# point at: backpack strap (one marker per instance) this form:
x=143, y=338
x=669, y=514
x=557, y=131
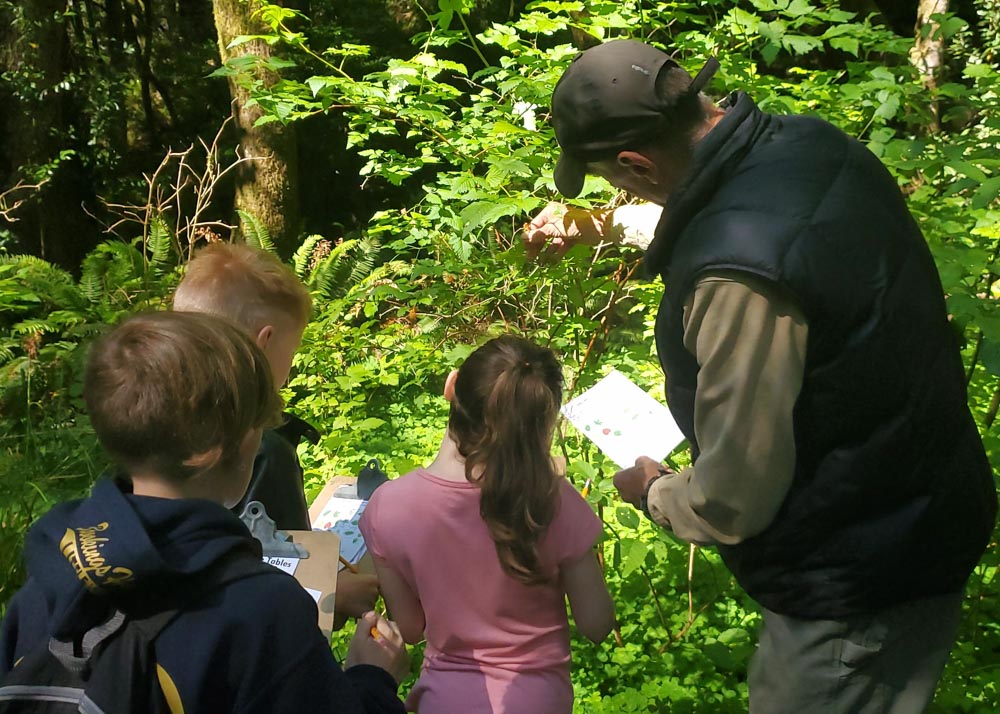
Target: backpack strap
x=232, y=567
x=128, y=660
x=65, y=651
x=112, y=668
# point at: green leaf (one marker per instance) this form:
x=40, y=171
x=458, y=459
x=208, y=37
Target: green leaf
x=989, y=355
x=888, y=108
x=627, y=516
x=244, y=39
x=801, y=44
x=633, y=555
x=987, y=193
x=368, y=424
x=949, y=25
x=978, y=71
x=279, y=63
x=769, y=52
x=968, y=169
x=481, y=213
x=799, y=7
x=845, y=44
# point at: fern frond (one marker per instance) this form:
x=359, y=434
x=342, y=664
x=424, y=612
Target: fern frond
x=364, y=260
x=33, y=326
x=254, y=232
x=91, y=282
x=159, y=244
x=7, y=348
x=384, y=273
x=22, y=259
x=303, y=256
x=340, y=250
x=329, y=277
x=108, y=268
x=40, y=278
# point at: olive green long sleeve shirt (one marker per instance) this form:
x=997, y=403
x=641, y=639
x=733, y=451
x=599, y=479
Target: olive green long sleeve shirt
x=750, y=343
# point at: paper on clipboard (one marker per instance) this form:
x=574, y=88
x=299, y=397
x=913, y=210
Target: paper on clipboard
x=317, y=574
x=311, y=557
x=341, y=516
x=624, y=421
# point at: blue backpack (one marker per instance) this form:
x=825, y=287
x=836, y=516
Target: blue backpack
x=111, y=668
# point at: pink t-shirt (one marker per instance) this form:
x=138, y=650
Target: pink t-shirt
x=493, y=644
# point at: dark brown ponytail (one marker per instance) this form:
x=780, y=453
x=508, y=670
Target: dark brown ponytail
x=507, y=399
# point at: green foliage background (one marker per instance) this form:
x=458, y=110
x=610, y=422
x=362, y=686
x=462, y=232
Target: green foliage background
x=406, y=299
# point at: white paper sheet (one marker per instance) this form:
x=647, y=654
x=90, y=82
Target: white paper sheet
x=341, y=516
x=624, y=421
x=287, y=564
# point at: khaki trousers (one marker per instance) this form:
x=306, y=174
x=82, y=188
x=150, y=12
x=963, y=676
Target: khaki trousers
x=887, y=662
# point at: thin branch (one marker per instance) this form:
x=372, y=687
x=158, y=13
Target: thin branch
x=10, y=200
x=178, y=186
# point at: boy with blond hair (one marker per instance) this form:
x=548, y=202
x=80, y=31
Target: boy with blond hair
x=179, y=401
x=255, y=290
x=262, y=295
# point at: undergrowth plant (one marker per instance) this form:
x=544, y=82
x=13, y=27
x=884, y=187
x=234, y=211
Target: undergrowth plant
x=465, y=119
x=401, y=303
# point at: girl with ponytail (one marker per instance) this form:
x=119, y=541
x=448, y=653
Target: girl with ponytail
x=478, y=551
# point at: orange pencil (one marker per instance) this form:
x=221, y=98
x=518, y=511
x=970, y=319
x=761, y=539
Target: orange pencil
x=348, y=565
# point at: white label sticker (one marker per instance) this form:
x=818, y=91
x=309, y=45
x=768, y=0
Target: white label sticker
x=287, y=564
x=315, y=594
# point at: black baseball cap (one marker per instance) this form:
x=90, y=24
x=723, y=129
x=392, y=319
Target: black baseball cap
x=606, y=101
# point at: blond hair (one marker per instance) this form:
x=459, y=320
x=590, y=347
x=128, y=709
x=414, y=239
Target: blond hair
x=177, y=392
x=246, y=285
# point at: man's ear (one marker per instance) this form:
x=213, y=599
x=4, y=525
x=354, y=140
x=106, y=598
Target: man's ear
x=264, y=336
x=449, y=385
x=639, y=165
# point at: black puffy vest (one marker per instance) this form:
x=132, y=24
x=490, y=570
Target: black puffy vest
x=893, y=497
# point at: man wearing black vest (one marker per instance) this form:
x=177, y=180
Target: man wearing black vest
x=811, y=365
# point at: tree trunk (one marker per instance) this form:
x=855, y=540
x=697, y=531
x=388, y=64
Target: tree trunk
x=266, y=187
x=36, y=121
x=927, y=53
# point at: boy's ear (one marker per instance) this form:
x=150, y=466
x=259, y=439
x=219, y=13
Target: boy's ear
x=264, y=336
x=449, y=385
x=205, y=460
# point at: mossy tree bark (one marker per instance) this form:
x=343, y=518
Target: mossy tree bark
x=928, y=52
x=267, y=186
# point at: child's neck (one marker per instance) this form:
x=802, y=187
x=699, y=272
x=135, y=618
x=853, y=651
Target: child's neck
x=449, y=464
x=151, y=483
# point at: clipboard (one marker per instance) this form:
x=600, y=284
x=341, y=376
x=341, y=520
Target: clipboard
x=318, y=573
x=311, y=557
x=329, y=490
x=340, y=486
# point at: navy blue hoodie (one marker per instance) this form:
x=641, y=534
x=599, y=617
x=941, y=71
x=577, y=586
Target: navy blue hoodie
x=252, y=645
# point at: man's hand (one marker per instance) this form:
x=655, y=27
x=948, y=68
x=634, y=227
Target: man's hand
x=356, y=595
x=377, y=642
x=559, y=227
x=633, y=481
